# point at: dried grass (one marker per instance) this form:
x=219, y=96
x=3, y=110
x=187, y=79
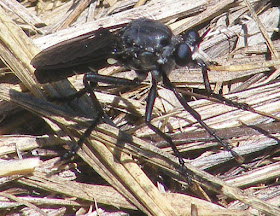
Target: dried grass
x=117, y=171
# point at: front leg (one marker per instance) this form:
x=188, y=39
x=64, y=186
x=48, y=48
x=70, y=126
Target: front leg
x=221, y=98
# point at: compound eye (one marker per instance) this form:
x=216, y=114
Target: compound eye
x=183, y=54
x=191, y=37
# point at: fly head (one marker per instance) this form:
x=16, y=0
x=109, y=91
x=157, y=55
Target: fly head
x=184, y=50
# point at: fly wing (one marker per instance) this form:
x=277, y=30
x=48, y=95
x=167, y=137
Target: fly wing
x=75, y=56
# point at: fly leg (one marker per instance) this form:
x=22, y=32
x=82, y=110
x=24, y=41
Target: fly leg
x=196, y=115
x=224, y=100
x=148, y=114
x=90, y=80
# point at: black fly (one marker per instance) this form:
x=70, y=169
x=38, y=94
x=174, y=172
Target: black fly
x=143, y=45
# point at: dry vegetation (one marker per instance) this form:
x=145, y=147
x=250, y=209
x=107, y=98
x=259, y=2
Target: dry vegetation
x=128, y=170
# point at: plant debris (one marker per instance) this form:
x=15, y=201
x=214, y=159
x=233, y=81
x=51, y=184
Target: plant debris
x=128, y=170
